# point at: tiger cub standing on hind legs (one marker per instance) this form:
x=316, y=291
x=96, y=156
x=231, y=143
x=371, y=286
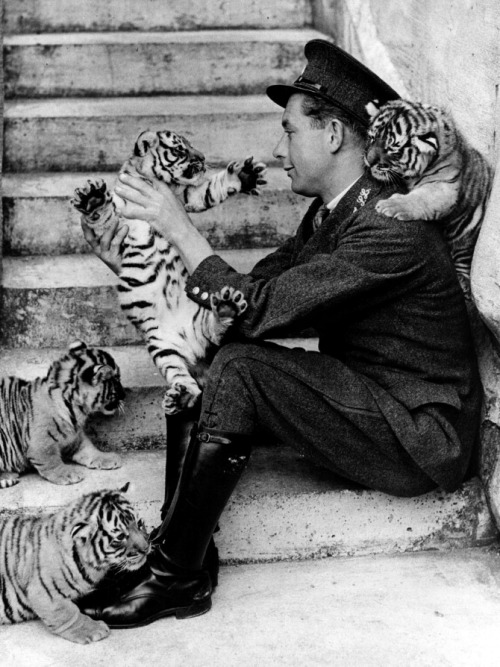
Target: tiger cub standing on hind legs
x=47, y=562
x=419, y=146
x=179, y=333
x=42, y=421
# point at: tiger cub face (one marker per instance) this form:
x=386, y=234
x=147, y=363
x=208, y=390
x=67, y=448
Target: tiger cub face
x=107, y=533
x=405, y=138
x=90, y=379
x=168, y=157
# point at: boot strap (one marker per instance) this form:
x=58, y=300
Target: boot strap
x=203, y=436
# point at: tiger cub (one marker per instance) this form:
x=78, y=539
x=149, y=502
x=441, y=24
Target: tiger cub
x=179, y=333
x=42, y=421
x=47, y=562
x=419, y=147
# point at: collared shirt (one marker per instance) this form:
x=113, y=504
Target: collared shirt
x=331, y=205
x=325, y=209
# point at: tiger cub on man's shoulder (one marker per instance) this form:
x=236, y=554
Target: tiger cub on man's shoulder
x=42, y=420
x=419, y=147
x=49, y=561
x=179, y=333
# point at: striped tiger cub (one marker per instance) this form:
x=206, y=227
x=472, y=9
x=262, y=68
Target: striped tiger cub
x=419, y=147
x=47, y=562
x=179, y=333
x=42, y=421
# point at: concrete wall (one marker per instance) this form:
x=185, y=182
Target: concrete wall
x=1, y=150
x=438, y=51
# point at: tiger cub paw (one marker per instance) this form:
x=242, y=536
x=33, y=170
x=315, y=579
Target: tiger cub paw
x=91, y=198
x=399, y=207
x=228, y=304
x=180, y=397
x=8, y=479
x=251, y=175
x=63, y=474
x=85, y=631
x=104, y=461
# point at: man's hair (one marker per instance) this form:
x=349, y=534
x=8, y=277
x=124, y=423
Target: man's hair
x=321, y=112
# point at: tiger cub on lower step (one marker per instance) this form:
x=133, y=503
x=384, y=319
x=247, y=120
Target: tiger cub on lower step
x=47, y=562
x=180, y=334
x=419, y=147
x=42, y=420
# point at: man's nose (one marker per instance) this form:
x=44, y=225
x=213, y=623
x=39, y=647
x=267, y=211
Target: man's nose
x=280, y=152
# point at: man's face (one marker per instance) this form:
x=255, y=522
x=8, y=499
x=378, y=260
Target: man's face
x=304, y=150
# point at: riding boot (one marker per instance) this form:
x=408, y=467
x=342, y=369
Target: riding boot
x=179, y=427
x=177, y=584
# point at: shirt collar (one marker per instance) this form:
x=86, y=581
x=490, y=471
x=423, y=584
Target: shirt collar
x=332, y=204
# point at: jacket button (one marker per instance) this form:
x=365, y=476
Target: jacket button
x=196, y=290
x=204, y=296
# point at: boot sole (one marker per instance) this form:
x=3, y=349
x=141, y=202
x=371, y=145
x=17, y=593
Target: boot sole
x=197, y=609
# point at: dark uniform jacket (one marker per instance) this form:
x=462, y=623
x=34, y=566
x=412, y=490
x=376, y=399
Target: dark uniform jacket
x=383, y=296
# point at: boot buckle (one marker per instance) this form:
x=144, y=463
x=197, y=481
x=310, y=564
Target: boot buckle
x=203, y=436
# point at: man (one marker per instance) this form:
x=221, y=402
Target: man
x=390, y=401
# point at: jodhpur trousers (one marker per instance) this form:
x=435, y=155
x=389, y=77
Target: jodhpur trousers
x=315, y=404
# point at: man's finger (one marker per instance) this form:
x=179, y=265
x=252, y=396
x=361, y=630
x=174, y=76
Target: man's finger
x=119, y=237
x=88, y=234
x=108, y=236
x=131, y=194
x=129, y=181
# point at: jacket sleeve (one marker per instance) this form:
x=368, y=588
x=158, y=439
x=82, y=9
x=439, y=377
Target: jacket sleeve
x=371, y=259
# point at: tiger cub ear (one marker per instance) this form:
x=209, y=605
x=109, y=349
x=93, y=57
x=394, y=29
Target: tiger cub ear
x=147, y=139
x=126, y=487
x=77, y=347
x=426, y=143
x=372, y=108
x=82, y=531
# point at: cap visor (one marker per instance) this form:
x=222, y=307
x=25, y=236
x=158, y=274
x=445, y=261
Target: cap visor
x=280, y=94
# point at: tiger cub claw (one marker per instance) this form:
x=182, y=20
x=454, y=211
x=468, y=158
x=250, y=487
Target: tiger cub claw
x=227, y=304
x=91, y=197
x=180, y=397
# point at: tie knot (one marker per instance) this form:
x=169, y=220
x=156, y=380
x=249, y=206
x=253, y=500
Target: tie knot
x=321, y=214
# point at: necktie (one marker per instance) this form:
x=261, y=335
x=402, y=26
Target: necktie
x=321, y=214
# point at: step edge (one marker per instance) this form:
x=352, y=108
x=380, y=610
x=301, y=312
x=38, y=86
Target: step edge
x=174, y=37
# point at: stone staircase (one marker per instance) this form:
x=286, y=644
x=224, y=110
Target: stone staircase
x=82, y=80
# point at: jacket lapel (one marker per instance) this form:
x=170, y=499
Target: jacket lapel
x=354, y=199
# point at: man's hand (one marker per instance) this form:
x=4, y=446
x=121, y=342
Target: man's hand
x=156, y=204
x=108, y=247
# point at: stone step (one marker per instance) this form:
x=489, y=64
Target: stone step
x=142, y=425
x=38, y=219
x=284, y=508
x=29, y=16
x=50, y=300
x=431, y=609
x=151, y=63
x=98, y=134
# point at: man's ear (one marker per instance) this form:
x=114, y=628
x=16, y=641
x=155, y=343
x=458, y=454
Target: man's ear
x=336, y=134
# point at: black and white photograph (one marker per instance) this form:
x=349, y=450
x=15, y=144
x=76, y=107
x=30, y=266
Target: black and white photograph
x=250, y=333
